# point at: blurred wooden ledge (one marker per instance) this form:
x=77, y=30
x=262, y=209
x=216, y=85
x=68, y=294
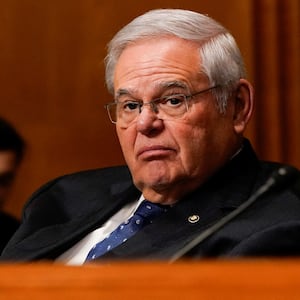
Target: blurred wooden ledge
x=215, y=279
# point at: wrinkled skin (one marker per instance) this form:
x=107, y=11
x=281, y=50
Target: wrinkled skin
x=169, y=158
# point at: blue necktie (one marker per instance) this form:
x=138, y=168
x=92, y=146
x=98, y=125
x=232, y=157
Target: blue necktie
x=144, y=215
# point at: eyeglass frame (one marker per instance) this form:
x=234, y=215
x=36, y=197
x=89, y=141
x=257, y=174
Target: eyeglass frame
x=153, y=104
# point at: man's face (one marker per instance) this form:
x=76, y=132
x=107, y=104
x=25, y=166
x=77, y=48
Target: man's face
x=8, y=166
x=172, y=156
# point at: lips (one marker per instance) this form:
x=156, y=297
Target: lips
x=153, y=152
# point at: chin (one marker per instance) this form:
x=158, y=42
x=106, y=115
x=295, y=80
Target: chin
x=157, y=174
x=156, y=184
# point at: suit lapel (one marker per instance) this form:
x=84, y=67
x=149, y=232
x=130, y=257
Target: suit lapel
x=168, y=233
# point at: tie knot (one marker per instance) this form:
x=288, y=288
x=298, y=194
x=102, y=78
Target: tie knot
x=149, y=210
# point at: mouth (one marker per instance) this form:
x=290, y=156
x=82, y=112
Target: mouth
x=154, y=152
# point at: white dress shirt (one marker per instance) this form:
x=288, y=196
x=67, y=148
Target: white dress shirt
x=77, y=254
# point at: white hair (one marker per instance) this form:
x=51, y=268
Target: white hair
x=221, y=59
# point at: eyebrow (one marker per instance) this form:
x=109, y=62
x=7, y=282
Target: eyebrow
x=161, y=86
x=122, y=92
x=173, y=84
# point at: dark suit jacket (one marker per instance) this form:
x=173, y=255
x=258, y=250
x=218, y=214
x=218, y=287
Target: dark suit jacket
x=8, y=226
x=66, y=209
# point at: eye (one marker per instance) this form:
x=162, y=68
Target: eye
x=129, y=106
x=173, y=100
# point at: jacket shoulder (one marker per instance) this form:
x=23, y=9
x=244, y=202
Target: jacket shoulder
x=77, y=193
x=88, y=179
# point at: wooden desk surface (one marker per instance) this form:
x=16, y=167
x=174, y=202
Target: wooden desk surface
x=238, y=279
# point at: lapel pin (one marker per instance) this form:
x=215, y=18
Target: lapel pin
x=193, y=218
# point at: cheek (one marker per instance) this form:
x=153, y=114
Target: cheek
x=198, y=139
x=192, y=148
x=189, y=140
x=126, y=139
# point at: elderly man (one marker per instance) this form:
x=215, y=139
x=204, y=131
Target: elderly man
x=181, y=107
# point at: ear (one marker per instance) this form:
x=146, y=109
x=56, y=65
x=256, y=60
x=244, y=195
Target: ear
x=243, y=105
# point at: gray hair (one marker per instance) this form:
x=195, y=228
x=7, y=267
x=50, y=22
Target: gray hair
x=221, y=59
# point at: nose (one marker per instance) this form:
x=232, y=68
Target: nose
x=148, y=121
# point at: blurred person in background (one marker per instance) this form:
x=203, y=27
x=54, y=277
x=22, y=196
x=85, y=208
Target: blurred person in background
x=11, y=154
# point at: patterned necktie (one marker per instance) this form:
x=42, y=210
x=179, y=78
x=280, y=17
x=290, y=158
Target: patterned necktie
x=144, y=215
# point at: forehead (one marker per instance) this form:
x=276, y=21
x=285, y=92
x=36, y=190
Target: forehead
x=150, y=62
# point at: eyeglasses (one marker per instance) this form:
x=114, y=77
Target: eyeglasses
x=173, y=106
